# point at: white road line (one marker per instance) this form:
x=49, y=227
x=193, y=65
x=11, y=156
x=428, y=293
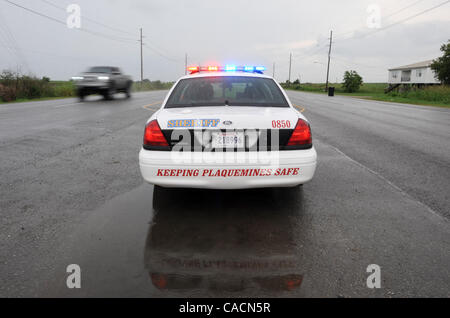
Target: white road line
x=403, y=192
x=66, y=105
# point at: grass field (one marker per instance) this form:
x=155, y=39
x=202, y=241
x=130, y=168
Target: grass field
x=432, y=96
x=40, y=90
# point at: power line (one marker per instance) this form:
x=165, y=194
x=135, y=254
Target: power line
x=388, y=16
x=110, y=37
x=322, y=47
x=46, y=53
x=354, y=63
x=89, y=19
x=313, y=53
x=102, y=24
x=353, y=31
x=397, y=23
x=11, y=43
x=154, y=50
x=403, y=9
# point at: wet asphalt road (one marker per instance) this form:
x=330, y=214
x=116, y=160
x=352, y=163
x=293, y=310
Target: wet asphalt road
x=71, y=193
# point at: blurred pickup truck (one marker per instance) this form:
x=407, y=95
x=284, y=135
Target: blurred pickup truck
x=103, y=80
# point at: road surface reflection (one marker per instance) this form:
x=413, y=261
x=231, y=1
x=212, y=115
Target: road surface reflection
x=204, y=242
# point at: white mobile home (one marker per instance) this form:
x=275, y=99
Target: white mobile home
x=413, y=74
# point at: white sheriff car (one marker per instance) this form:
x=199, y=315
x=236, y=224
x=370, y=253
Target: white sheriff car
x=227, y=128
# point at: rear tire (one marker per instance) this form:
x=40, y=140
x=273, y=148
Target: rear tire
x=109, y=93
x=81, y=96
x=128, y=90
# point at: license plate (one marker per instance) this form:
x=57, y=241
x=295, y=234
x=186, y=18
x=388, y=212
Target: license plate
x=228, y=140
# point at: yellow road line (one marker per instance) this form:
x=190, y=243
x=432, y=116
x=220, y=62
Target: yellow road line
x=149, y=105
x=300, y=108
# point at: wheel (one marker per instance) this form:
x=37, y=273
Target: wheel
x=81, y=96
x=128, y=90
x=109, y=93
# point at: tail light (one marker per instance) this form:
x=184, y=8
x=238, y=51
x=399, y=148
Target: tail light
x=301, y=135
x=159, y=280
x=294, y=282
x=153, y=136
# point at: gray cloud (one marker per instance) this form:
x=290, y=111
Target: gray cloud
x=232, y=31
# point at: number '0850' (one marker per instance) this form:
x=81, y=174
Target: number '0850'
x=281, y=124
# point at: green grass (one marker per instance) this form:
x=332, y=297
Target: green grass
x=53, y=90
x=151, y=86
x=25, y=100
x=66, y=89
x=431, y=96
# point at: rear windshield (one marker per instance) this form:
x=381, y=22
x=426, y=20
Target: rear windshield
x=227, y=90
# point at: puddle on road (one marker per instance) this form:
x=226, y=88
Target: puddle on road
x=185, y=242
x=205, y=242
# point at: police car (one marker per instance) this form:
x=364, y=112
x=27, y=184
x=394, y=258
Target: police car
x=227, y=127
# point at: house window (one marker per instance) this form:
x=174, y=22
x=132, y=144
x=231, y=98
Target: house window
x=394, y=75
x=418, y=73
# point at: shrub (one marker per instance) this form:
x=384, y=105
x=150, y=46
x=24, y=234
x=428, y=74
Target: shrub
x=7, y=93
x=352, y=81
x=14, y=86
x=439, y=93
x=442, y=65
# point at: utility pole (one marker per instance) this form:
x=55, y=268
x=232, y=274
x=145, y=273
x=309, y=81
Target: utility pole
x=185, y=64
x=290, y=66
x=142, y=59
x=329, y=58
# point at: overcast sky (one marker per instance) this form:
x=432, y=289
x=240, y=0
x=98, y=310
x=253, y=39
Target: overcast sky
x=260, y=32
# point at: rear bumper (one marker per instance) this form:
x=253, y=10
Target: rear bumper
x=291, y=168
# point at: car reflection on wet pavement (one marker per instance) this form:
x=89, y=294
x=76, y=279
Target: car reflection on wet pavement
x=315, y=241
x=154, y=242
x=209, y=243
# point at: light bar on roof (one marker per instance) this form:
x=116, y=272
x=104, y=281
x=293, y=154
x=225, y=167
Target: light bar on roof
x=227, y=68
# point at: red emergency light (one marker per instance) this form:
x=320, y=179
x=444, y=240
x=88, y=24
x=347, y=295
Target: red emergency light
x=193, y=69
